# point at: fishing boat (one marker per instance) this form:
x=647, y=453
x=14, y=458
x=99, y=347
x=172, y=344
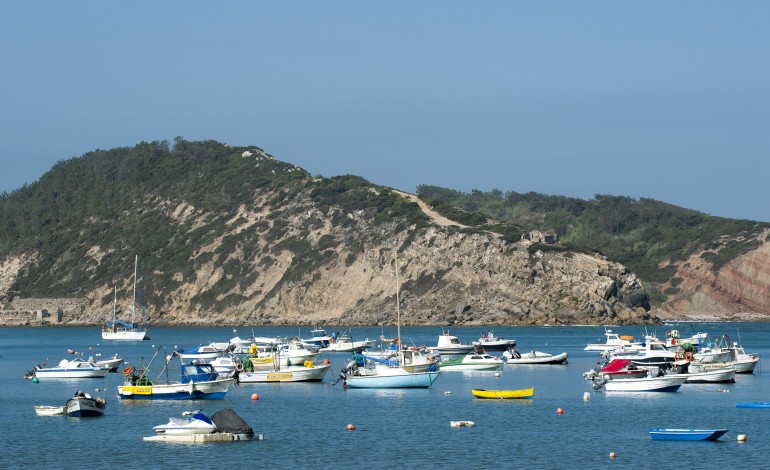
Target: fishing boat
x=668, y=434
x=614, y=341
x=513, y=356
x=644, y=384
x=319, y=338
x=765, y=404
x=344, y=343
x=377, y=372
x=449, y=345
x=265, y=370
x=75, y=368
x=476, y=360
x=204, y=352
x=198, y=382
x=653, y=353
x=193, y=423
x=490, y=342
x=503, y=394
x=696, y=373
x=126, y=331
x=112, y=364
x=83, y=405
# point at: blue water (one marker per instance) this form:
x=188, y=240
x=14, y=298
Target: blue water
x=304, y=424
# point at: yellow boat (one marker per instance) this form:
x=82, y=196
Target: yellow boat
x=500, y=394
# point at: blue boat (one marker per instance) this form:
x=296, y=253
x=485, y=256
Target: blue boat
x=199, y=382
x=765, y=404
x=668, y=434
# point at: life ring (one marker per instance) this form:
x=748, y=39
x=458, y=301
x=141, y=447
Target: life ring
x=128, y=371
x=239, y=367
x=688, y=356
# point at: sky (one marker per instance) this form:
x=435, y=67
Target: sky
x=656, y=99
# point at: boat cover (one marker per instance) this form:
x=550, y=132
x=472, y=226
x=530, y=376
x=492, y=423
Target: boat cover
x=226, y=420
x=616, y=365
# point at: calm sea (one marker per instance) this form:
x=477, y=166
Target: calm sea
x=304, y=424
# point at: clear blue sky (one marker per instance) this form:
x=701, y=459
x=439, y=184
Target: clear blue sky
x=660, y=99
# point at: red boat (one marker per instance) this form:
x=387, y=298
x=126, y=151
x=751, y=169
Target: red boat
x=618, y=369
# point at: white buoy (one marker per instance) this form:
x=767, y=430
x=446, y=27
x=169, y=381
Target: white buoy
x=586, y=396
x=741, y=438
x=497, y=374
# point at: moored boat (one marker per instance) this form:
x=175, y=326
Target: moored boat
x=83, y=405
x=194, y=423
x=46, y=410
x=112, y=364
x=503, y=394
x=449, y=345
x=759, y=404
x=614, y=341
x=513, y=356
x=490, y=342
x=75, y=368
x=669, y=434
x=198, y=382
x=118, y=330
x=268, y=373
x=476, y=360
x=644, y=384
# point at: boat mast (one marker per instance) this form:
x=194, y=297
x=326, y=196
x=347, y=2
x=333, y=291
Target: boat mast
x=133, y=305
x=398, y=306
x=114, y=304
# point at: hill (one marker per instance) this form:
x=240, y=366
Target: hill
x=230, y=235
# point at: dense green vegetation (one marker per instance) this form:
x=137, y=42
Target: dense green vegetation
x=641, y=234
x=165, y=202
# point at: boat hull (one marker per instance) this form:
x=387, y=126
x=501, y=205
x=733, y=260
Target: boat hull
x=503, y=394
x=538, y=358
x=288, y=374
x=687, y=434
x=124, y=335
x=212, y=390
x=646, y=384
x=409, y=380
x=84, y=408
x=43, y=410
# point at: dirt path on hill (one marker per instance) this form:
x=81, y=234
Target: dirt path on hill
x=435, y=217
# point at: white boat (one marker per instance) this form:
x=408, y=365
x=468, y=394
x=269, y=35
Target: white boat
x=193, y=423
x=267, y=374
x=476, y=360
x=379, y=373
x=45, y=410
x=644, y=384
x=490, y=342
x=225, y=365
x=674, y=338
x=412, y=359
x=204, y=353
x=75, y=368
x=695, y=374
x=198, y=382
x=344, y=343
x=293, y=353
x=533, y=357
x=614, y=341
x=743, y=362
x=82, y=405
x=319, y=338
x=118, y=330
x=653, y=353
x=449, y=345
x=112, y=364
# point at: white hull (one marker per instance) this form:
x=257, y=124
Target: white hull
x=712, y=376
x=43, y=410
x=288, y=374
x=75, y=369
x=184, y=427
x=536, y=357
x=382, y=376
x=469, y=367
x=645, y=384
x=347, y=346
x=127, y=335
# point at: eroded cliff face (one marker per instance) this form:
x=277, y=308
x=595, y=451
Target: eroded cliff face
x=738, y=291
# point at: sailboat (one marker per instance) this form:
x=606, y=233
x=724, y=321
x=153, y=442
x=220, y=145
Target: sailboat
x=123, y=331
x=374, y=372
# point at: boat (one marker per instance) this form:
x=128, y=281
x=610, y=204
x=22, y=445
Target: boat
x=617, y=368
x=695, y=373
x=379, y=373
x=226, y=365
x=513, y=356
x=476, y=360
x=83, y=405
x=653, y=353
x=193, y=423
x=46, y=410
x=198, y=382
x=765, y=404
x=75, y=368
x=674, y=338
x=112, y=364
x=614, y=341
x=449, y=345
x=413, y=359
x=292, y=353
x=344, y=343
x=203, y=352
x=265, y=370
x=319, y=338
x=668, y=434
x=644, y=384
x=503, y=394
x=490, y=342
x=118, y=330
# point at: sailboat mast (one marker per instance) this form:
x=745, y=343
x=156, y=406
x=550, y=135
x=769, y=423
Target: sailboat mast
x=136, y=272
x=114, y=304
x=398, y=306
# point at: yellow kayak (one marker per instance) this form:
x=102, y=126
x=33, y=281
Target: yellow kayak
x=500, y=394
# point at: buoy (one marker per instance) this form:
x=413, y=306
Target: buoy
x=587, y=396
x=326, y=362
x=90, y=348
x=447, y=392
x=497, y=374
x=612, y=455
x=559, y=411
x=741, y=438
x=351, y=427
x=35, y=380
x=254, y=396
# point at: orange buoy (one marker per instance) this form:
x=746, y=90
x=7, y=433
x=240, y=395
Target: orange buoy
x=326, y=362
x=254, y=396
x=351, y=427
x=559, y=411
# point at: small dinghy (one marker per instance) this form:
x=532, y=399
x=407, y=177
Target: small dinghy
x=765, y=404
x=45, y=410
x=194, y=423
x=513, y=356
x=503, y=394
x=687, y=434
